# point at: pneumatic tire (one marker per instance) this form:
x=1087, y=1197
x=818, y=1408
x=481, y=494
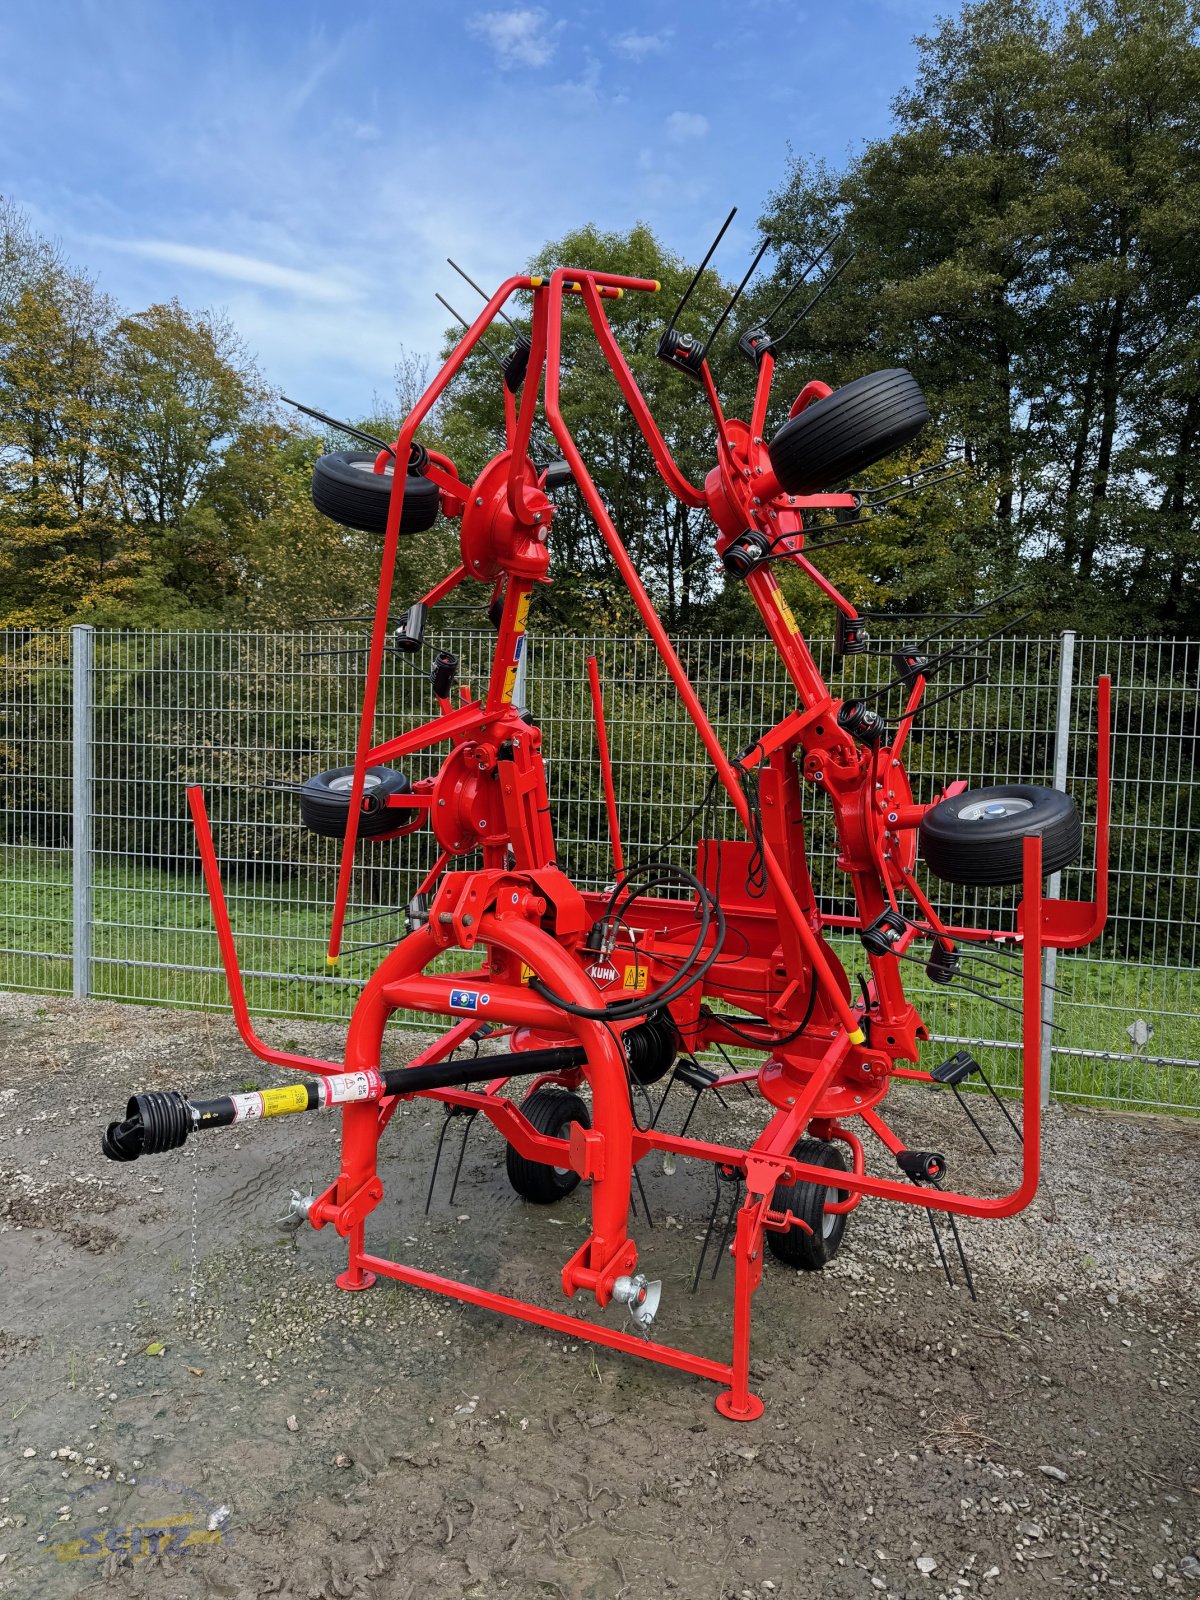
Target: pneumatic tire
x=797, y=1247
x=551, y=1111
x=325, y=802
x=977, y=837
x=346, y=489
x=849, y=429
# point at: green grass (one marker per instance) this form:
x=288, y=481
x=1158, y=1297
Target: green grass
x=151, y=927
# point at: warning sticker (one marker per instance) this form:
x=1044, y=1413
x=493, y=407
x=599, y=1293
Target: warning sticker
x=785, y=611
x=636, y=980
x=527, y=972
x=510, y=677
x=270, y=1102
x=346, y=1087
x=278, y=1102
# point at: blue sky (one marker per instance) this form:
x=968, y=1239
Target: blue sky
x=308, y=169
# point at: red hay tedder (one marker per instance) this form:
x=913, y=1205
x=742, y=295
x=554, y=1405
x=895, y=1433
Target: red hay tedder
x=605, y=990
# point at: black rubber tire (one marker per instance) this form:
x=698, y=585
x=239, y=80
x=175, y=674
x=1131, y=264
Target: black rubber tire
x=552, y=1111
x=797, y=1247
x=961, y=843
x=325, y=802
x=345, y=489
x=848, y=430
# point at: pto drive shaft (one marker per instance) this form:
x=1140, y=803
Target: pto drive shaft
x=162, y=1119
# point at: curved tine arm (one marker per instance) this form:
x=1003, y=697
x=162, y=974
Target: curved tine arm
x=785, y=894
x=383, y=599
x=663, y=459
x=523, y=429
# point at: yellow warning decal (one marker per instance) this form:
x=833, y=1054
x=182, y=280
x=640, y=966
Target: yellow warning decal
x=522, y=611
x=278, y=1102
x=527, y=972
x=636, y=979
x=510, y=684
x=785, y=611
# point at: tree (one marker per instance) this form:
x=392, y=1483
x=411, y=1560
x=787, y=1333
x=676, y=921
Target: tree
x=1022, y=245
x=186, y=398
x=61, y=547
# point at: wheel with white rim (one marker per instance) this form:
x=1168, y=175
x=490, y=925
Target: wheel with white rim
x=978, y=837
x=798, y=1246
x=551, y=1111
x=325, y=802
x=346, y=488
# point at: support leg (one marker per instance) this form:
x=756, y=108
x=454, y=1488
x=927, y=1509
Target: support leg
x=355, y=1275
x=736, y=1402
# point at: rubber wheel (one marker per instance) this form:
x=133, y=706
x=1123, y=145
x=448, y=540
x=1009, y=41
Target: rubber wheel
x=798, y=1248
x=978, y=837
x=852, y=427
x=325, y=802
x=551, y=1111
x=347, y=489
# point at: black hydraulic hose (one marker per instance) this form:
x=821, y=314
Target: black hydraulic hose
x=693, y=971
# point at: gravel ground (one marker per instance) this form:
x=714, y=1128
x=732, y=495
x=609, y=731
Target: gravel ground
x=180, y=1379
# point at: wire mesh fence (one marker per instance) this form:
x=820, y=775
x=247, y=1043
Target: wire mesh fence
x=100, y=891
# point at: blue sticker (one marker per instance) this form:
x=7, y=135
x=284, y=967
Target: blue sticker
x=464, y=999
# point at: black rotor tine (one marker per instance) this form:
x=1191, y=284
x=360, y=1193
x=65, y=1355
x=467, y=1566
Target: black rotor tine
x=482, y=293
x=972, y=1118
x=1010, y=968
x=458, y=317
x=437, y=1159
x=373, y=916
x=937, y=1239
x=990, y=1087
x=691, y=1110
x=730, y=1222
x=662, y=1102
x=732, y=1065
x=823, y=251
x=712, y=1217
x=341, y=427
x=637, y=1173
x=462, y=1150
x=947, y=656
x=962, y=1254
x=967, y=616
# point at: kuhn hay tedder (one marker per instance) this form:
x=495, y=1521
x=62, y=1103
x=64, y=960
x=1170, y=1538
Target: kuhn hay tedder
x=594, y=992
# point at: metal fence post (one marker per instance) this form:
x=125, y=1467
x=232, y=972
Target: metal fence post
x=1062, y=746
x=81, y=811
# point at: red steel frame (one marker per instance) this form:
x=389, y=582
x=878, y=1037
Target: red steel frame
x=525, y=914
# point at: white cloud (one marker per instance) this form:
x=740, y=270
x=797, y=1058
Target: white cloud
x=521, y=38
x=684, y=125
x=238, y=268
x=640, y=45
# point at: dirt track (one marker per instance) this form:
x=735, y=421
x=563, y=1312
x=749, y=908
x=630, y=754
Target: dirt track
x=1043, y=1440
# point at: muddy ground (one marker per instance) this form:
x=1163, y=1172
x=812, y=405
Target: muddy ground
x=189, y=1407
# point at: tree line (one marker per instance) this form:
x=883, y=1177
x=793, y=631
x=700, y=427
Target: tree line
x=1022, y=240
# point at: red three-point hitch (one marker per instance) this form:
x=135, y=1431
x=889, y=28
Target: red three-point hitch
x=588, y=993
